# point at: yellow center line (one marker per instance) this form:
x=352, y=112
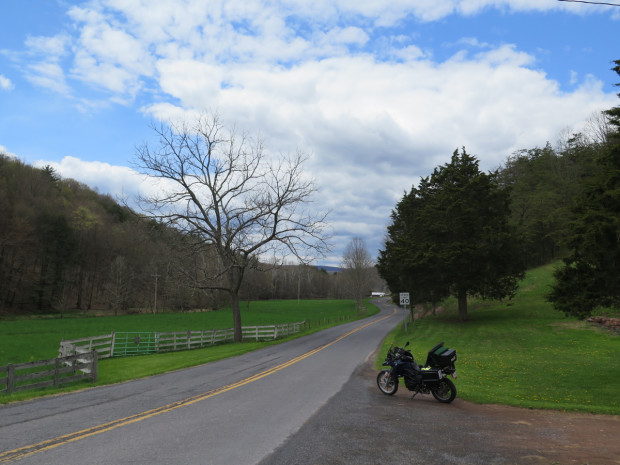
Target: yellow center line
x=22, y=452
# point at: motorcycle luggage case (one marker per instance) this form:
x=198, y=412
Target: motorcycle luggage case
x=442, y=357
x=430, y=375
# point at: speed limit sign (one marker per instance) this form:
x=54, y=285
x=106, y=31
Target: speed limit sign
x=404, y=298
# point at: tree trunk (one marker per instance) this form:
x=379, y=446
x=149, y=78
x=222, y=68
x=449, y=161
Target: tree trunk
x=462, y=297
x=234, y=300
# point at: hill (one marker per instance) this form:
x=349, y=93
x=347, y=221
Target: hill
x=329, y=269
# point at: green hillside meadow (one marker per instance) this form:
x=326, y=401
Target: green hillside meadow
x=523, y=352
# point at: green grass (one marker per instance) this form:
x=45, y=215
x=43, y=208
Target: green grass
x=524, y=353
x=30, y=339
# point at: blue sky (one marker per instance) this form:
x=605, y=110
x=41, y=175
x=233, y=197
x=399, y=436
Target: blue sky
x=377, y=92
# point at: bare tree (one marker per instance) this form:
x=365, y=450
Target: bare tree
x=357, y=269
x=119, y=287
x=598, y=128
x=235, y=208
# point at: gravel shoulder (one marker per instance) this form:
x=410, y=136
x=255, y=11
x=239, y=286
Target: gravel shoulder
x=360, y=425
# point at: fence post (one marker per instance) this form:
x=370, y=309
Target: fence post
x=95, y=365
x=112, y=341
x=56, y=372
x=189, y=335
x=10, y=378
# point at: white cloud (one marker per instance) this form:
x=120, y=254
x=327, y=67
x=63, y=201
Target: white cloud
x=120, y=182
x=49, y=75
x=51, y=47
x=5, y=151
x=373, y=127
x=300, y=73
x=5, y=83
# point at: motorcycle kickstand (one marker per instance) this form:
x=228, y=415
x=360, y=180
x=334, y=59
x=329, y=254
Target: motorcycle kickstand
x=414, y=394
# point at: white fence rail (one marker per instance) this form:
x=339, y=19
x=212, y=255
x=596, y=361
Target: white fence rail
x=141, y=343
x=103, y=345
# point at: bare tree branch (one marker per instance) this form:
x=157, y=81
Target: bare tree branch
x=232, y=204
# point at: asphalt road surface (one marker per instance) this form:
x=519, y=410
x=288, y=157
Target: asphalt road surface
x=233, y=412
x=312, y=401
x=362, y=426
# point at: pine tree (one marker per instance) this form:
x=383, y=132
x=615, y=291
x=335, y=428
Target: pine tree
x=451, y=235
x=590, y=276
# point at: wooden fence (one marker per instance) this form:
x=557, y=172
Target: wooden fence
x=103, y=345
x=120, y=344
x=44, y=373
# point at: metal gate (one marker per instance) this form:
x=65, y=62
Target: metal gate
x=140, y=343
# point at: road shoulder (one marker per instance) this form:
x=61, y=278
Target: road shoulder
x=362, y=426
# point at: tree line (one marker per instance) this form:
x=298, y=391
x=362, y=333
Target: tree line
x=64, y=247
x=462, y=232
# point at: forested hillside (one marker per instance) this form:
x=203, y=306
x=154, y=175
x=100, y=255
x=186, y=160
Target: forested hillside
x=62, y=245
x=65, y=247
x=545, y=184
x=462, y=232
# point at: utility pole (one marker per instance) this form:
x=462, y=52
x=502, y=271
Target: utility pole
x=298, y=283
x=156, y=275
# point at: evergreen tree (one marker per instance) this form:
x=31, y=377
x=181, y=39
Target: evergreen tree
x=451, y=235
x=590, y=276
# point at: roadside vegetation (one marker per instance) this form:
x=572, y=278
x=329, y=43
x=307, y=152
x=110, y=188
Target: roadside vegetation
x=523, y=352
x=30, y=339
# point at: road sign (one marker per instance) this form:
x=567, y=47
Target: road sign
x=404, y=298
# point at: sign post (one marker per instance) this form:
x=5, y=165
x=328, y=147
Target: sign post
x=404, y=301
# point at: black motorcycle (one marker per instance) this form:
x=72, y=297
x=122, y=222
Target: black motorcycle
x=432, y=378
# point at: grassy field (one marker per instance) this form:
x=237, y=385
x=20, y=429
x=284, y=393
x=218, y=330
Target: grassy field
x=524, y=353
x=29, y=339
x=520, y=353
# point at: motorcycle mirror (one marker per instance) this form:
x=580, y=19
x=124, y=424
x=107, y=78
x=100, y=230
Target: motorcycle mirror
x=407, y=343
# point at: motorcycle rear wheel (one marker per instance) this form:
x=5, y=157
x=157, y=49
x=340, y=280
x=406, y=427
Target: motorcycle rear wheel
x=444, y=391
x=386, y=384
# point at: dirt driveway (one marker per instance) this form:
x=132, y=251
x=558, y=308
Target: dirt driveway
x=361, y=426
x=550, y=437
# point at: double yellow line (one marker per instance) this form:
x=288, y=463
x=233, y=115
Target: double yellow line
x=17, y=454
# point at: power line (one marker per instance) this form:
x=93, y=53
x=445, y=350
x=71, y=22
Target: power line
x=591, y=3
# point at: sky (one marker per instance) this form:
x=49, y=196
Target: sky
x=377, y=93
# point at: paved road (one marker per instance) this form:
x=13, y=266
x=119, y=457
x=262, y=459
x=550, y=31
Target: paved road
x=233, y=412
x=362, y=426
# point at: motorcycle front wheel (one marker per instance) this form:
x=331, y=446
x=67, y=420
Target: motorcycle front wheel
x=386, y=384
x=444, y=391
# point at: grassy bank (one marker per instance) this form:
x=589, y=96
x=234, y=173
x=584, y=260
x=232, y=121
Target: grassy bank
x=29, y=339
x=524, y=353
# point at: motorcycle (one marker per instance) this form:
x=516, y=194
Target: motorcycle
x=432, y=378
